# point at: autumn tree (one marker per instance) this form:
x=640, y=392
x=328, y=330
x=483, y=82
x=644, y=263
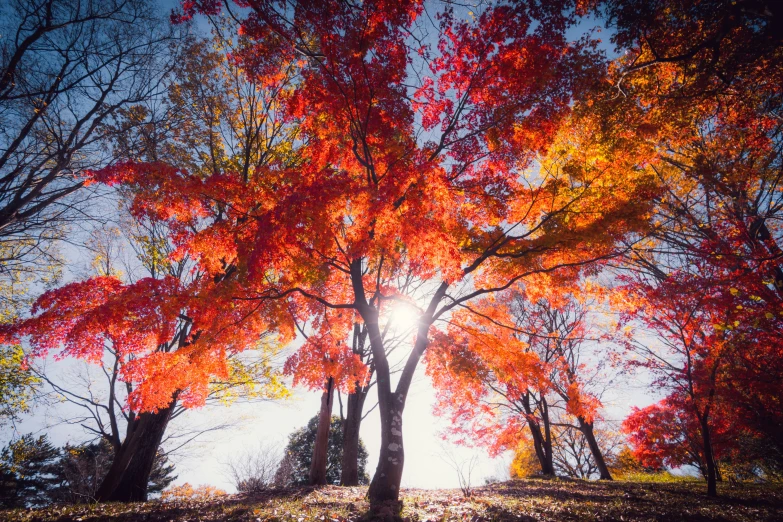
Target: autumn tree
x=565, y=328
x=151, y=322
x=695, y=333
x=573, y=456
x=508, y=366
x=697, y=96
x=146, y=317
x=413, y=154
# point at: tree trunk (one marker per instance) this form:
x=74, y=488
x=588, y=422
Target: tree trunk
x=541, y=443
x=709, y=459
x=129, y=474
x=321, y=446
x=385, y=485
x=351, y=425
x=587, y=430
x=543, y=450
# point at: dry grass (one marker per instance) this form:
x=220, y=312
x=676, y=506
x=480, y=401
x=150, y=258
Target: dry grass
x=520, y=500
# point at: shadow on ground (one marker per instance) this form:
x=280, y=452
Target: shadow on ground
x=519, y=501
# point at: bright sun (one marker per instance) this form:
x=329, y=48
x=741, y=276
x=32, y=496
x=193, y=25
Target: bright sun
x=404, y=316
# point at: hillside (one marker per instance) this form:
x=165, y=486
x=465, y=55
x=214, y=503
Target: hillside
x=520, y=500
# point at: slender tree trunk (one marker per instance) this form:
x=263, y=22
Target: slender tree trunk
x=385, y=485
x=128, y=477
x=321, y=446
x=543, y=449
x=547, y=441
x=351, y=425
x=541, y=443
x=709, y=459
x=587, y=430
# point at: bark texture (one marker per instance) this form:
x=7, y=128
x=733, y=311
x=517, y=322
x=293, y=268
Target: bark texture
x=129, y=474
x=598, y=457
x=352, y=424
x=321, y=446
x=709, y=459
x=542, y=438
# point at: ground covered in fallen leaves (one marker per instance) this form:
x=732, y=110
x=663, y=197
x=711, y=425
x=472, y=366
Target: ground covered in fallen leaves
x=518, y=500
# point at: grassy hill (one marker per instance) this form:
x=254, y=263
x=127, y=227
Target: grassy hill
x=519, y=500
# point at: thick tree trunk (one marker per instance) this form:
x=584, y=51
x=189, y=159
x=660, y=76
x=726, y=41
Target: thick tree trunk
x=134, y=482
x=129, y=474
x=709, y=459
x=351, y=425
x=321, y=446
x=587, y=430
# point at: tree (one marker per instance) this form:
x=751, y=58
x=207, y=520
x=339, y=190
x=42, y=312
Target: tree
x=566, y=329
x=66, y=69
x=509, y=364
x=401, y=173
x=300, y=451
x=525, y=463
x=81, y=470
x=28, y=471
x=143, y=322
x=574, y=457
x=698, y=96
x=690, y=318
x=663, y=435
x=257, y=470
x=72, y=319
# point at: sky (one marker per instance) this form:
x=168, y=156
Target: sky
x=265, y=425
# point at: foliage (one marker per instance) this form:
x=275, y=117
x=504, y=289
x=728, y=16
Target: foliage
x=426, y=172
x=81, y=470
x=17, y=383
x=186, y=492
x=300, y=449
x=28, y=471
x=505, y=368
x=36, y=473
x=625, y=463
x=700, y=92
x=320, y=161
x=525, y=463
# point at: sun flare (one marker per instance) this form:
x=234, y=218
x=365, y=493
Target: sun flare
x=404, y=316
